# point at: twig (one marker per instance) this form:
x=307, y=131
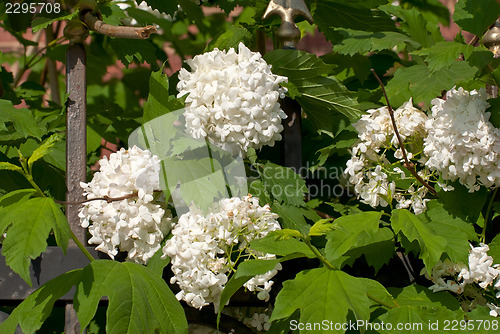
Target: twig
x=407, y=164
x=117, y=31
x=105, y=198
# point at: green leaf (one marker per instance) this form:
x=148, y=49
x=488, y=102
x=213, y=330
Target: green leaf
x=41, y=22
x=9, y=201
x=283, y=184
x=322, y=294
x=24, y=125
x=321, y=227
x=246, y=270
x=293, y=217
x=463, y=204
x=476, y=16
x=348, y=229
x=9, y=166
x=130, y=49
x=139, y=300
x=432, y=232
x=230, y=38
x=32, y=221
x=416, y=295
x=444, y=54
x=377, y=248
x=423, y=85
x=416, y=25
x=432, y=246
x=494, y=249
x=35, y=309
x=330, y=14
x=44, y=148
x=159, y=101
x=321, y=97
x=354, y=41
x=274, y=243
x=156, y=264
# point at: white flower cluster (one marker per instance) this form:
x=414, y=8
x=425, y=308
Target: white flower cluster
x=203, y=247
x=143, y=5
x=135, y=225
x=233, y=99
x=481, y=271
x=461, y=143
x=376, y=138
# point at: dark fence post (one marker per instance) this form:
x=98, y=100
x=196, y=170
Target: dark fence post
x=289, y=35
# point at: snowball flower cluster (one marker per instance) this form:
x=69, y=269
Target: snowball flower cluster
x=205, y=248
x=461, y=143
x=233, y=99
x=136, y=225
x=376, y=137
x=480, y=271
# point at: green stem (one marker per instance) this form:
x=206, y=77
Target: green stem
x=381, y=302
x=82, y=247
x=32, y=182
x=317, y=253
x=488, y=214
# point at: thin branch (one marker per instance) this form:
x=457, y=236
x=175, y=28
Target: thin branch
x=407, y=164
x=105, y=198
x=117, y=31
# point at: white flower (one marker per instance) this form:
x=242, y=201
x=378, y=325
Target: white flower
x=202, y=245
x=135, y=225
x=376, y=137
x=480, y=269
x=494, y=310
x=233, y=99
x=461, y=143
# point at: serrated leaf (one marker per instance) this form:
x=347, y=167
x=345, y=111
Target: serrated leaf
x=139, y=300
x=138, y=49
x=41, y=22
x=9, y=166
x=348, y=230
x=416, y=295
x=432, y=246
x=354, y=41
x=321, y=227
x=44, y=148
x=436, y=232
x=31, y=222
x=35, y=309
x=230, y=38
x=415, y=25
x=463, y=204
x=245, y=271
x=282, y=244
x=377, y=248
x=159, y=101
x=9, y=201
x=24, y=124
x=330, y=14
x=292, y=217
x=321, y=97
x=283, y=184
x=423, y=85
x=476, y=16
x=444, y=54
x=322, y=294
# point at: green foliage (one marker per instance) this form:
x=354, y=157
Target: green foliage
x=17, y=124
x=230, y=38
x=327, y=294
x=30, y=222
x=139, y=300
x=159, y=101
x=431, y=231
x=35, y=309
x=474, y=16
x=274, y=244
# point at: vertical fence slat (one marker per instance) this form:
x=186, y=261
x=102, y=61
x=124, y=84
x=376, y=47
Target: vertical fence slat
x=76, y=151
x=76, y=133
